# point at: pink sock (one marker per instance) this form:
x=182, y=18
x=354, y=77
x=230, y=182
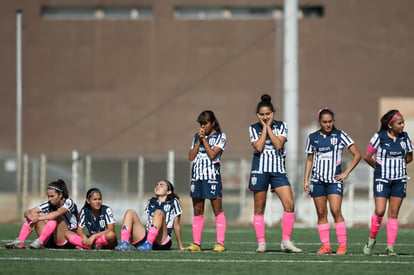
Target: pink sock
x=323, y=230
x=25, y=231
x=101, y=240
x=152, y=234
x=392, y=229
x=125, y=234
x=198, y=224
x=47, y=230
x=341, y=232
x=288, y=220
x=259, y=227
x=77, y=240
x=375, y=226
x=221, y=227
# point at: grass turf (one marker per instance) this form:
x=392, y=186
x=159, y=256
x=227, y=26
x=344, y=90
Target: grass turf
x=240, y=257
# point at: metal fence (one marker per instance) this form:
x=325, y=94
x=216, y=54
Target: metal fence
x=128, y=182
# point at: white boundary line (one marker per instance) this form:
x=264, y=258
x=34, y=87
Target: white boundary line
x=204, y=261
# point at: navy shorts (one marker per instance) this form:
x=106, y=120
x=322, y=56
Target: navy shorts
x=261, y=181
x=155, y=246
x=390, y=188
x=322, y=189
x=206, y=189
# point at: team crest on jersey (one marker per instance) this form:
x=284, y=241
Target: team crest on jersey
x=403, y=145
x=167, y=207
x=212, y=141
x=102, y=223
x=334, y=141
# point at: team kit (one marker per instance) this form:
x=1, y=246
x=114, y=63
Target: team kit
x=58, y=223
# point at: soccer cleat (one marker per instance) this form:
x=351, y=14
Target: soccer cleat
x=341, y=250
x=145, y=247
x=16, y=244
x=123, y=246
x=289, y=247
x=36, y=244
x=261, y=248
x=219, y=248
x=369, y=247
x=193, y=247
x=389, y=251
x=324, y=250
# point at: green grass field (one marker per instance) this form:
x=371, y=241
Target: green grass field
x=240, y=257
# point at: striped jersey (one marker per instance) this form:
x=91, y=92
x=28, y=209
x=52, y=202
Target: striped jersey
x=96, y=224
x=70, y=217
x=203, y=167
x=171, y=209
x=327, y=154
x=269, y=159
x=391, y=155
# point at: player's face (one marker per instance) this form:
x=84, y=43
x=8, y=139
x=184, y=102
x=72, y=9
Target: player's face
x=54, y=197
x=95, y=201
x=265, y=114
x=161, y=189
x=397, y=126
x=327, y=123
x=207, y=126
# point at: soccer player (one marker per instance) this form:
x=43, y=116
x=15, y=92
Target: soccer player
x=393, y=151
x=268, y=138
x=99, y=221
x=59, y=215
x=205, y=153
x=163, y=216
x=324, y=148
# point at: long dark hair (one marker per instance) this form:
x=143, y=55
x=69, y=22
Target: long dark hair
x=324, y=111
x=170, y=188
x=265, y=101
x=388, y=118
x=208, y=115
x=89, y=195
x=60, y=187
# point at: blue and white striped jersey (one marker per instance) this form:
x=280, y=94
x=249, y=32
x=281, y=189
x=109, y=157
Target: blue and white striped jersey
x=391, y=155
x=203, y=168
x=96, y=224
x=327, y=154
x=171, y=209
x=270, y=159
x=70, y=217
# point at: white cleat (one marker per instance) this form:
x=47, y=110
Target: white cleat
x=261, y=248
x=288, y=246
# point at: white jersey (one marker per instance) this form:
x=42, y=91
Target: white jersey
x=70, y=217
x=203, y=167
x=327, y=154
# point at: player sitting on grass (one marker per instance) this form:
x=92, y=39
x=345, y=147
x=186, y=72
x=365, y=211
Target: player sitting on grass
x=59, y=215
x=163, y=215
x=100, y=222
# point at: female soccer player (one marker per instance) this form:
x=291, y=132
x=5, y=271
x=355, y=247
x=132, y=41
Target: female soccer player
x=324, y=148
x=163, y=215
x=205, y=153
x=59, y=215
x=393, y=151
x=268, y=138
x=100, y=222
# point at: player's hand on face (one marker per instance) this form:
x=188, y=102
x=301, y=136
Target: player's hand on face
x=201, y=133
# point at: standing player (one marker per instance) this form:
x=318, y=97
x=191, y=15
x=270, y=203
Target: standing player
x=393, y=151
x=268, y=138
x=163, y=215
x=324, y=148
x=100, y=222
x=205, y=153
x=59, y=215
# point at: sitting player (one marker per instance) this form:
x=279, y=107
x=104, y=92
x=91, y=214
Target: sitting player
x=99, y=221
x=59, y=216
x=163, y=215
